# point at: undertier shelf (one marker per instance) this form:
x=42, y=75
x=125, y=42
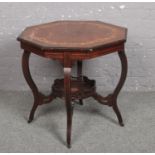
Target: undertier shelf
x=80, y=87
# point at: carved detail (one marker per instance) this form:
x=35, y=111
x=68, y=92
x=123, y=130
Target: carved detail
x=73, y=89
x=111, y=99
x=79, y=89
x=68, y=50
x=39, y=98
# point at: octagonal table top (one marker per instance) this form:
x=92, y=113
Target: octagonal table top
x=73, y=35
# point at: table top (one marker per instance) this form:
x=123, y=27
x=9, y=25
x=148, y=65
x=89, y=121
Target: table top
x=70, y=35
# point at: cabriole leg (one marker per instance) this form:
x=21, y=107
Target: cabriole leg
x=30, y=82
x=119, y=86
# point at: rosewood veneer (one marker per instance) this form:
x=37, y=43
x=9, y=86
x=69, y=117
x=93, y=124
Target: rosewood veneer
x=72, y=42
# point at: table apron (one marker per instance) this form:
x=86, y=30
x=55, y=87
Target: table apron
x=74, y=55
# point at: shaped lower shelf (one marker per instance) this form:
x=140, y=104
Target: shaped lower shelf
x=80, y=89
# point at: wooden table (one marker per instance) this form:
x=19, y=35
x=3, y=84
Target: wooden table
x=72, y=42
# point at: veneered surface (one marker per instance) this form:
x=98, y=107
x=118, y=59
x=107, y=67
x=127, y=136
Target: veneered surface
x=73, y=35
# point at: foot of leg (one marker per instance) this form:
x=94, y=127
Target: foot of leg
x=118, y=114
x=69, y=146
x=32, y=112
x=80, y=101
x=69, y=126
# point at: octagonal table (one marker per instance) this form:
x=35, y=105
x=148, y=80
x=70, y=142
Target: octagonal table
x=72, y=42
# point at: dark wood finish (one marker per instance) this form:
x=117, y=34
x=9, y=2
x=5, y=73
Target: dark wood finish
x=67, y=94
x=70, y=42
x=79, y=89
x=79, y=75
x=73, y=35
x=39, y=98
x=111, y=99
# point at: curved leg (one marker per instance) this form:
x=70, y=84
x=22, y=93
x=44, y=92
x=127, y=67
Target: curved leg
x=116, y=110
x=39, y=98
x=119, y=86
x=35, y=105
x=79, y=74
x=67, y=87
x=29, y=80
x=122, y=79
